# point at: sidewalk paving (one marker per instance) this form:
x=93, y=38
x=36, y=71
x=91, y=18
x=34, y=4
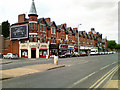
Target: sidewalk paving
x=3, y=61
x=16, y=72
x=114, y=82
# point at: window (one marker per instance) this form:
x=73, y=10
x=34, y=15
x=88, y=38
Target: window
x=54, y=40
x=36, y=26
x=32, y=26
x=40, y=28
x=51, y=39
x=24, y=53
x=53, y=30
x=33, y=38
x=62, y=32
x=45, y=39
x=41, y=38
x=30, y=38
x=44, y=28
x=36, y=38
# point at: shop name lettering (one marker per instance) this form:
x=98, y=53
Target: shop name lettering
x=64, y=46
x=43, y=45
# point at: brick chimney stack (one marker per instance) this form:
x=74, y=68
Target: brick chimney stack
x=21, y=18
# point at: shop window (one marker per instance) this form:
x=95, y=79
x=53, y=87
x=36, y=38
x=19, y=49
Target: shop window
x=24, y=53
x=42, y=53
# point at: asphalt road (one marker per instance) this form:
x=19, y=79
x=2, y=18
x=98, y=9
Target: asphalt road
x=80, y=72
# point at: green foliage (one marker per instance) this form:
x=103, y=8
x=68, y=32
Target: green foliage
x=117, y=46
x=111, y=44
x=5, y=29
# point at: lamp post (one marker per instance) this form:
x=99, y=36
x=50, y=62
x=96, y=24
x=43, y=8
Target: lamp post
x=78, y=39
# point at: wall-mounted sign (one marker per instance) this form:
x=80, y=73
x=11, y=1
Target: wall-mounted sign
x=43, y=46
x=63, y=47
x=54, y=46
x=19, y=32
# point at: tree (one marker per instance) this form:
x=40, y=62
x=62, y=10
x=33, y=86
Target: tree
x=111, y=44
x=117, y=46
x=5, y=29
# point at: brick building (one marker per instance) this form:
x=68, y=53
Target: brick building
x=35, y=37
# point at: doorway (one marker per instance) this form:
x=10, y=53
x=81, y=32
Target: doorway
x=33, y=53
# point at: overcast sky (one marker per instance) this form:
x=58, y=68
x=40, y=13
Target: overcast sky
x=99, y=14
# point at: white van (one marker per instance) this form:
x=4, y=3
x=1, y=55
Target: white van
x=94, y=52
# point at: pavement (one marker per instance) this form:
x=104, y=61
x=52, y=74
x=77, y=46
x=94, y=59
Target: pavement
x=114, y=81
x=17, y=72
x=4, y=61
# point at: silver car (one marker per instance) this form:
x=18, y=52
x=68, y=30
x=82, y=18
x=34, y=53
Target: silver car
x=10, y=56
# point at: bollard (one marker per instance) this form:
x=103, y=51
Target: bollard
x=56, y=60
x=47, y=58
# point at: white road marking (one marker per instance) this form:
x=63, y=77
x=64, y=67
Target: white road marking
x=104, y=67
x=81, y=80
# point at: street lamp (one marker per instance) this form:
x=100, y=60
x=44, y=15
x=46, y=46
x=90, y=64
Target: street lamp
x=78, y=39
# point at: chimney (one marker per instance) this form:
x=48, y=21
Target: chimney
x=47, y=20
x=21, y=18
x=65, y=25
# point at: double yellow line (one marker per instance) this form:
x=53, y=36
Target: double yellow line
x=102, y=79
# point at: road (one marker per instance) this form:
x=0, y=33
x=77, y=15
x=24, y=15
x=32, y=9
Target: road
x=80, y=72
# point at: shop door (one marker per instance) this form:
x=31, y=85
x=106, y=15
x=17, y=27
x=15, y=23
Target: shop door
x=33, y=53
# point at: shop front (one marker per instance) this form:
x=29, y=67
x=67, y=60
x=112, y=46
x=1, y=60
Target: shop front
x=54, y=49
x=70, y=49
x=63, y=49
x=76, y=48
x=23, y=52
x=43, y=51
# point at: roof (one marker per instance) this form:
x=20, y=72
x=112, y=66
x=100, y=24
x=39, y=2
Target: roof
x=32, y=9
x=51, y=23
x=42, y=19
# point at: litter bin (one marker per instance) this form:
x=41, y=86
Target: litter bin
x=56, y=60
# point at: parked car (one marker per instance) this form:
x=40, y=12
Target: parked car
x=1, y=55
x=10, y=56
x=100, y=53
x=93, y=53
x=62, y=55
x=83, y=53
x=106, y=52
x=76, y=54
x=68, y=54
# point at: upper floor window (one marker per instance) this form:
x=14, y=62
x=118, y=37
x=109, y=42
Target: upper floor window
x=45, y=39
x=51, y=39
x=62, y=32
x=41, y=28
x=33, y=26
x=52, y=30
x=41, y=38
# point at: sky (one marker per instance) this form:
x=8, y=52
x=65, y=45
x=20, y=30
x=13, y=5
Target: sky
x=99, y=14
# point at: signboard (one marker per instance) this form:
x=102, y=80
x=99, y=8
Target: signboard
x=19, y=32
x=54, y=46
x=63, y=47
